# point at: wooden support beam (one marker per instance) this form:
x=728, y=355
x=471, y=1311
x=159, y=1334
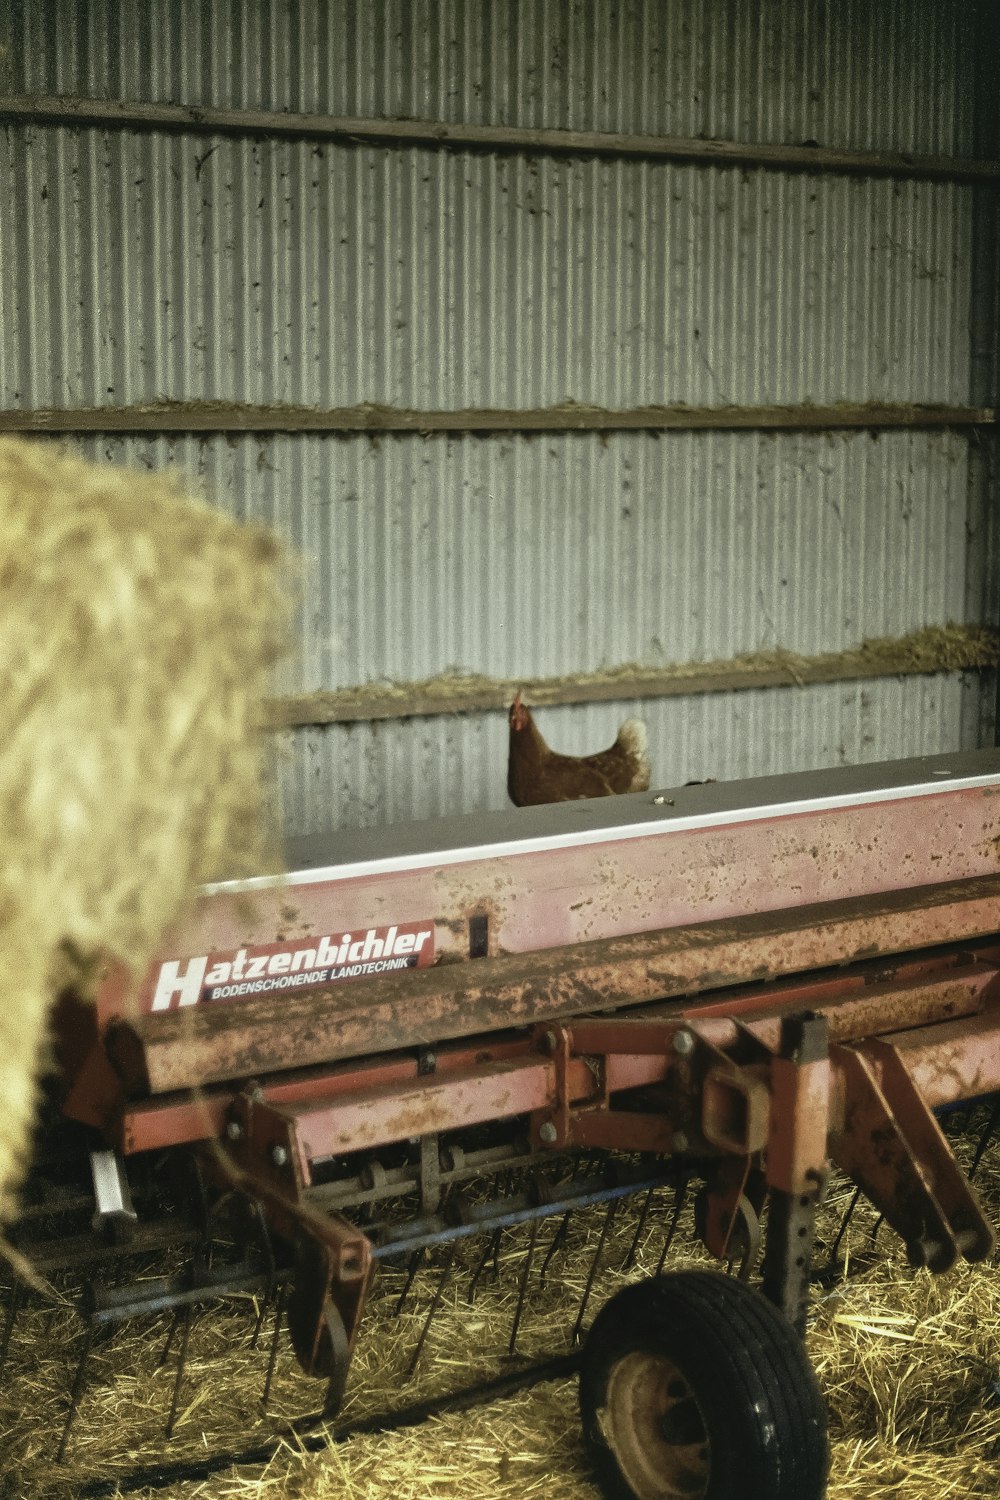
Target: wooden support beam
x=951, y=648
x=570, y=416
x=436, y=134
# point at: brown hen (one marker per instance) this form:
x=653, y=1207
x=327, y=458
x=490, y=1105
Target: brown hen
x=537, y=774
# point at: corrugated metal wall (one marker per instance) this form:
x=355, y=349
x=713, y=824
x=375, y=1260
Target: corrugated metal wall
x=334, y=275
x=846, y=74
x=136, y=266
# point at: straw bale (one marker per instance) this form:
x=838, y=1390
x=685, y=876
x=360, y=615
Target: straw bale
x=137, y=629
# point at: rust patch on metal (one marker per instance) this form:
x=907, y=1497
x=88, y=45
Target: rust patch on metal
x=267, y=1035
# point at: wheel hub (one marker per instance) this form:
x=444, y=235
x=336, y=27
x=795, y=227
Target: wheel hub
x=654, y=1427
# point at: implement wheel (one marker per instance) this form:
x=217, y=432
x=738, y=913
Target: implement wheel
x=693, y=1387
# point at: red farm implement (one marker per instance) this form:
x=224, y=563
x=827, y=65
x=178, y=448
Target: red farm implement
x=430, y=1033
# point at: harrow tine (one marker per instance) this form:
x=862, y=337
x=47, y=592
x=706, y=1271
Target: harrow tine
x=265, y=1302
x=178, y=1378
x=844, y=1225
x=558, y=1243
x=264, y=1234
x=984, y=1140
x=679, y=1201
x=77, y=1391
x=647, y=1204
x=171, y=1335
x=608, y=1217
x=411, y=1270
x=435, y=1304
x=492, y=1248
x=523, y=1286
x=13, y=1308
x=279, y=1308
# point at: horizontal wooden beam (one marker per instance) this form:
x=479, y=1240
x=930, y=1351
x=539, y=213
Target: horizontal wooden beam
x=436, y=134
x=570, y=416
x=948, y=648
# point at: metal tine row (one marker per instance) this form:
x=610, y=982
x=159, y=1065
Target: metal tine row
x=680, y=1199
x=181, y=1321
x=273, y=1291
x=491, y=1253
x=276, y=1291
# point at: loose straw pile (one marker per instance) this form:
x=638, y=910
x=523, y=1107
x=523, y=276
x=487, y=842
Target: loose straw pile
x=137, y=628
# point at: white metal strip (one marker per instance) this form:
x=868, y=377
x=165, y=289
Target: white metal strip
x=582, y=838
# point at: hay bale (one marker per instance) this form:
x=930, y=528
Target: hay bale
x=137, y=630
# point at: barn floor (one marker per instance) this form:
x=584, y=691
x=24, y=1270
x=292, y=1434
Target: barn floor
x=910, y=1366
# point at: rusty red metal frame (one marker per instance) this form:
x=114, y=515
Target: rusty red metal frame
x=581, y=872
x=757, y=995
x=767, y=1099
x=702, y=1084
x=349, y=1107
x=159, y=1054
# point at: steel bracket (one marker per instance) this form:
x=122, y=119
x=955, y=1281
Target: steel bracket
x=264, y=1160
x=796, y=1160
x=892, y=1146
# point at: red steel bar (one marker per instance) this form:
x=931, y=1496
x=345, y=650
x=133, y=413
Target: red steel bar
x=205, y=1044
x=378, y=1117
x=953, y=1061
x=553, y=877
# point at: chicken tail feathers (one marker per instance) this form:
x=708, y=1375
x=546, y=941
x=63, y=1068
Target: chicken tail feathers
x=633, y=740
x=634, y=737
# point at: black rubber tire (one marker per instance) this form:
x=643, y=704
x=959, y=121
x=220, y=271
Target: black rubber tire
x=759, y=1403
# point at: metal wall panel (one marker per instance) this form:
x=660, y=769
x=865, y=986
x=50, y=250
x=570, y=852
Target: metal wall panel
x=278, y=271
x=536, y=556
x=894, y=75
x=137, y=266
x=368, y=774
x=533, y=556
